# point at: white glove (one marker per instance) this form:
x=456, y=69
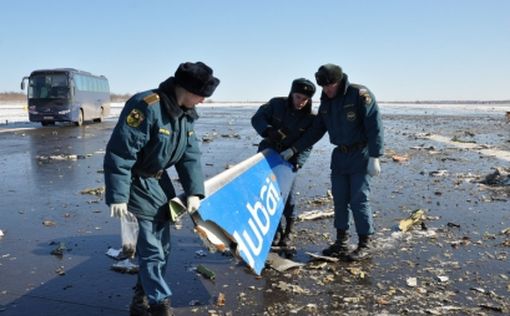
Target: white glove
x=120, y=210
x=287, y=153
x=374, y=167
x=193, y=204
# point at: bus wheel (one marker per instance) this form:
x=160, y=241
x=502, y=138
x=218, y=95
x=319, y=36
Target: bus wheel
x=101, y=116
x=79, y=122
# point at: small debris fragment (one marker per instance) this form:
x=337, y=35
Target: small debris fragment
x=94, y=191
x=412, y=282
x=416, y=217
x=49, y=223
x=125, y=266
x=315, y=214
x=59, y=250
x=205, y=272
x=220, y=301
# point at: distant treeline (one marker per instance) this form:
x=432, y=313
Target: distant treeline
x=20, y=97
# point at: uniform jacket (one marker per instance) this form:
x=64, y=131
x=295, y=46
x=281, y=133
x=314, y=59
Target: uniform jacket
x=351, y=118
x=281, y=115
x=153, y=133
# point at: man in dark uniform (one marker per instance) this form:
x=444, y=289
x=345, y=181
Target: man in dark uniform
x=281, y=122
x=155, y=132
x=350, y=115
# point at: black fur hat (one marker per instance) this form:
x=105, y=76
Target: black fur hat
x=197, y=78
x=303, y=86
x=328, y=74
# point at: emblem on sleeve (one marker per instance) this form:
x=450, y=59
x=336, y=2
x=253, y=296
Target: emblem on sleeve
x=135, y=118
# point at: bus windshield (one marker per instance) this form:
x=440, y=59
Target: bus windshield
x=48, y=86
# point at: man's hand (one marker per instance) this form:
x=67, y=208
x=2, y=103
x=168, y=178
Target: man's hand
x=193, y=204
x=287, y=153
x=120, y=210
x=374, y=167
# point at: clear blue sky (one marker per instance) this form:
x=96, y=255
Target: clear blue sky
x=400, y=49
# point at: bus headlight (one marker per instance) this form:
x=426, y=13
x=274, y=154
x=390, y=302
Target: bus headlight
x=63, y=112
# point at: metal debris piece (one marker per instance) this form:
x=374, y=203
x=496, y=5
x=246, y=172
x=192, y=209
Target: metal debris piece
x=220, y=300
x=60, y=270
x=315, y=214
x=206, y=272
x=49, y=223
x=416, y=217
x=281, y=264
x=322, y=258
x=94, y=191
x=438, y=173
x=125, y=266
x=443, y=278
x=412, y=282
x=60, y=157
x=287, y=287
x=400, y=158
x=59, y=250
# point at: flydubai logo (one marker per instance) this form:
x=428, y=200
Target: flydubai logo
x=251, y=240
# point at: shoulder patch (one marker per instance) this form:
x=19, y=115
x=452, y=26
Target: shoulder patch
x=365, y=95
x=151, y=98
x=135, y=118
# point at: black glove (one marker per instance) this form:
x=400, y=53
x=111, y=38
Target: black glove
x=274, y=135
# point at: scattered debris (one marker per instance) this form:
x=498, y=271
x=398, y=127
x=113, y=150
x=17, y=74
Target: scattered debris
x=315, y=214
x=281, y=264
x=416, y=218
x=1, y=234
x=500, y=177
x=125, y=266
x=61, y=157
x=287, y=287
x=94, y=191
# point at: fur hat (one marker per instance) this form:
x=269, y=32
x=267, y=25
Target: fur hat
x=303, y=86
x=328, y=74
x=197, y=78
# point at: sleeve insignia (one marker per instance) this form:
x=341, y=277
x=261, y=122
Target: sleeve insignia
x=164, y=131
x=151, y=98
x=365, y=95
x=135, y=118
x=351, y=116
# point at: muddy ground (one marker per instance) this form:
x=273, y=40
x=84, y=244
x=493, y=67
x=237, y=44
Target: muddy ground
x=455, y=263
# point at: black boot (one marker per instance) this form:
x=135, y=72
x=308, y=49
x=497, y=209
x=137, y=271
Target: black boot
x=161, y=309
x=340, y=248
x=139, y=304
x=363, y=250
x=285, y=236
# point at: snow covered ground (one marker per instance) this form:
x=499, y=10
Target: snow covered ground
x=17, y=112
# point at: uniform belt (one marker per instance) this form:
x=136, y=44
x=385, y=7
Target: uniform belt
x=351, y=147
x=140, y=173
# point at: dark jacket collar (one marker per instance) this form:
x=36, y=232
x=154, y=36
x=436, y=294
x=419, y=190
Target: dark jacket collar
x=166, y=91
